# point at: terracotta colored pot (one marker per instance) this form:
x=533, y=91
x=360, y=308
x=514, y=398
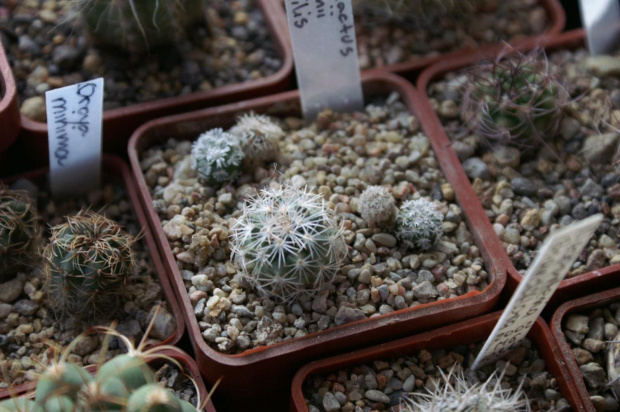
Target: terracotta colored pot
x=410, y=69
x=9, y=106
x=569, y=288
x=269, y=369
x=116, y=170
x=463, y=333
x=565, y=353
x=118, y=124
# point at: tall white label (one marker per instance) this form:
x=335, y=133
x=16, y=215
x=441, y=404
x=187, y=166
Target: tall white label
x=601, y=19
x=74, y=122
x=554, y=259
x=325, y=52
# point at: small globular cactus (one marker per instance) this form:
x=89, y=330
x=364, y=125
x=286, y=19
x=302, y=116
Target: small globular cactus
x=259, y=137
x=88, y=260
x=217, y=156
x=463, y=396
x=377, y=207
x=288, y=244
x=136, y=26
x=516, y=100
x=419, y=224
x=18, y=231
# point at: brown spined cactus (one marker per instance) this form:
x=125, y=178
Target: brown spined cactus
x=88, y=260
x=18, y=231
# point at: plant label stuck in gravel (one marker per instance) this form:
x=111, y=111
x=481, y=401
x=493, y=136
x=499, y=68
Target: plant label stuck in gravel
x=553, y=261
x=601, y=19
x=74, y=116
x=325, y=51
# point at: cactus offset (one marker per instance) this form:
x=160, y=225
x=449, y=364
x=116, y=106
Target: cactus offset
x=88, y=260
x=377, y=207
x=217, y=156
x=18, y=231
x=259, y=137
x=287, y=243
x=419, y=224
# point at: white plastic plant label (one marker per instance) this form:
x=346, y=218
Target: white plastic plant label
x=554, y=259
x=74, y=122
x=325, y=52
x=601, y=19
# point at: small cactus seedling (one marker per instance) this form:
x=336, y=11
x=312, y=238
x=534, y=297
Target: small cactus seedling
x=259, y=137
x=516, y=100
x=136, y=26
x=463, y=396
x=419, y=224
x=88, y=260
x=18, y=231
x=217, y=156
x=377, y=207
x=287, y=244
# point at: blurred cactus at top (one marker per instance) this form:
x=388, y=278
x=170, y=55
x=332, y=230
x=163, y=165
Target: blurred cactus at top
x=18, y=231
x=217, y=156
x=515, y=100
x=88, y=260
x=136, y=26
x=287, y=243
x=259, y=137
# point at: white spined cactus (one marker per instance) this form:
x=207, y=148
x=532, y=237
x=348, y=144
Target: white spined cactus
x=259, y=137
x=217, y=156
x=377, y=207
x=463, y=396
x=419, y=224
x=288, y=244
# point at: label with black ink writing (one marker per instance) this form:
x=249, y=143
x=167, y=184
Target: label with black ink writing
x=74, y=116
x=554, y=259
x=601, y=19
x=325, y=51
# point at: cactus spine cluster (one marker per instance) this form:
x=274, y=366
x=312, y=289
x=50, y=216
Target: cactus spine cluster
x=419, y=224
x=516, y=100
x=18, y=231
x=88, y=260
x=462, y=396
x=136, y=26
x=259, y=137
x=287, y=244
x=217, y=156
x=377, y=207
x=613, y=365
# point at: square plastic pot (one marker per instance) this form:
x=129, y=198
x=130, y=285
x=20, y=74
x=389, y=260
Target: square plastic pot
x=564, y=351
x=116, y=170
x=10, y=121
x=569, y=288
x=118, y=124
x=463, y=333
x=269, y=369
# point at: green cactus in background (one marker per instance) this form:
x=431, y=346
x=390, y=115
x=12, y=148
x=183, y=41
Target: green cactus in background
x=259, y=137
x=463, y=396
x=18, y=231
x=287, y=244
x=516, y=100
x=88, y=260
x=217, y=156
x=377, y=207
x=136, y=26
x=419, y=224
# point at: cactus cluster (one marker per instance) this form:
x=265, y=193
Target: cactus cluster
x=377, y=207
x=217, y=156
x=88, y=260
x=515, y=100
x=419, y=224
x=18, y=231
x=463, y=396
x=136, y=26
x=287, y=243
x=259, y=137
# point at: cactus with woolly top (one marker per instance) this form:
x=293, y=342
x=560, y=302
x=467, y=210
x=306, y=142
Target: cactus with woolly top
x=136, y=26
x=419, y=224
x=463, y=396
x=288, y=244
x=259, y=137
x=377, y=207
x=18, y=231
x=515, y=100
x=217, y=156
x=88, y=260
